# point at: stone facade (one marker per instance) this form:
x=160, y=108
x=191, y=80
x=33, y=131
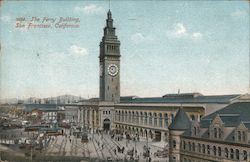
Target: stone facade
x=109, y=64
x=157, y=118
x=221, y=136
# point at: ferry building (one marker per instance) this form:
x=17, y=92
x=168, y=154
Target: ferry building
x=146, y=117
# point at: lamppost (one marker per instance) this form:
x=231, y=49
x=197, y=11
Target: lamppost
x=31, y=148
x=147, y=149
x=135, y=153
x=135, y=146
x=147, y=139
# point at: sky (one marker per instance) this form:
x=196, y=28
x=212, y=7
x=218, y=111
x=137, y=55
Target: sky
x=193, y=46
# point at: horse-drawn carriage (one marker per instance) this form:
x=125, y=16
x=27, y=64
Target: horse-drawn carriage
x=161, y=153
x=120, y=150
x=84, y=137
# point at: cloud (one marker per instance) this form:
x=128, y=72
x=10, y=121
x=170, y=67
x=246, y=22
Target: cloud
x=180, y=31
x=91, y=9
x=5, y=18
x=139, y=38
x=197, y=35
x=76, y=50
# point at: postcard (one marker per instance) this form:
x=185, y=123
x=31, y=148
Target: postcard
x=106, y=80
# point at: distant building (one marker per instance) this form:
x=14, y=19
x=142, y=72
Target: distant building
x=46, y=112
x=36, y=112
x=71, y=114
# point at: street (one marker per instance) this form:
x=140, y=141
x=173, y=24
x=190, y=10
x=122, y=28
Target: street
x=102, y=147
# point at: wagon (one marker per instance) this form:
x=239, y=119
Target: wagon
x=161, y=153
x=84, y=137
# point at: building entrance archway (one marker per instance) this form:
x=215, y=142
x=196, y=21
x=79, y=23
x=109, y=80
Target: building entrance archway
x=106, y=124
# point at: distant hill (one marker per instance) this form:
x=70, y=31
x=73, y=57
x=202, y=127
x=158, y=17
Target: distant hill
x=63, y=99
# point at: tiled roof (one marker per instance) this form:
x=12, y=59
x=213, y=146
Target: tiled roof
x=247, y=124
x=181, y=121
x=43, y=107
x=230, y=120
x=181, y=99
x=231, y=115
x=205, y=123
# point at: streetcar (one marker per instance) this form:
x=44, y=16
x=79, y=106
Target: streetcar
x=35, y=127
x=52, y=131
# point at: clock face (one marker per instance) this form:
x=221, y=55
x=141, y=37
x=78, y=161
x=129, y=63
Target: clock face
x=113, y=69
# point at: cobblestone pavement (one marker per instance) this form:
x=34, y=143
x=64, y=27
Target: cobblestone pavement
x=101, y=147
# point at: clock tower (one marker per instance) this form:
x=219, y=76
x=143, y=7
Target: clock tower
x=109, y=63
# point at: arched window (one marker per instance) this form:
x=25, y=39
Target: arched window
x=220, y=133
x=215, y=132
x=174, y=144
x=203, y=149
x=239, y=136
x=219, y=151
x=119, y=116
x=141, y=118
x=195, y=131
x=155, y=119
x=208, y=149
x=129, y=117
x=160, y=120
x=193, y=146
x=122, y=116
x=166, y=120
x=137, y=117
x=226, y=152
x=150, y=119
x=126, y=116
x=189, y=146
x=145, y=118
x=237, y=154
x=231, y=153
x=192, y=117
x=184, y=145
x=214, y=150
x=199, y=147
x=244, y=155
x=133, y=117
x=116, y=115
